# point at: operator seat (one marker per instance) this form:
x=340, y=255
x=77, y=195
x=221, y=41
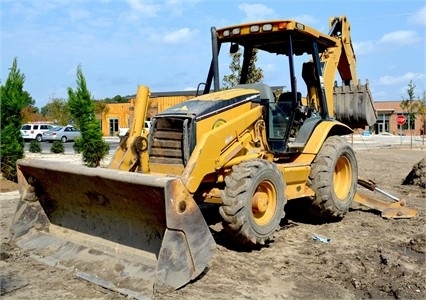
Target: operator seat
x=288, y=97
x=285, y=101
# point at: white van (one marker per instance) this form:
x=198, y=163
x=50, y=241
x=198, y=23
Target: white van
x=34, y=131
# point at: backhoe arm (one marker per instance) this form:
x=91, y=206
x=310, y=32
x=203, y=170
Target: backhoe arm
x=341, y=58
x=350, y=103
x=340, y=29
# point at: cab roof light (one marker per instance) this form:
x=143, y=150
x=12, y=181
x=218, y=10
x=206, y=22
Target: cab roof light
x=267, y=27
x=236, y=31
x=300, y=26
x=226, y=33
x=282, y=25
x=254, y=28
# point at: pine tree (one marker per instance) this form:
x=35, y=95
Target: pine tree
x=255, y=74
x=82, y=109
x=13, y=99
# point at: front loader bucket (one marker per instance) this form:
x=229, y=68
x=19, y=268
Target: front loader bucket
x=129, y=232
x=353, y=105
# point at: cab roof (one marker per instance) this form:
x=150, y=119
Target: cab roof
x=272, y=36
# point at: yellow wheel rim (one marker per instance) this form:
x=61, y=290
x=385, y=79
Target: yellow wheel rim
x=264, y=203
x=342, y=179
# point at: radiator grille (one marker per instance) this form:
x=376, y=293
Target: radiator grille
x=167, y=142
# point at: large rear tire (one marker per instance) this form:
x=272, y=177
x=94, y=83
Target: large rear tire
x=253, y=201
x=333, y=178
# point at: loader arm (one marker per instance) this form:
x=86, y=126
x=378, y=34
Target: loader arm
x=128, y=156
x=217, y=147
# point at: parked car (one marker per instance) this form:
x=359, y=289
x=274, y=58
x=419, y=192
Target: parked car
x=122, y=131
x=62, y=133
x=34, y=131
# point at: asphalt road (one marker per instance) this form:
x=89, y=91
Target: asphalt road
x=357, y=141
x=360, y=142
x=45, y=146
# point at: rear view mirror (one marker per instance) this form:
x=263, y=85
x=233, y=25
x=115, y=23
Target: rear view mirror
x=234, y=48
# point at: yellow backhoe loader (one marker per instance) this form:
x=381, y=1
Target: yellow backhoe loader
x=137, y=226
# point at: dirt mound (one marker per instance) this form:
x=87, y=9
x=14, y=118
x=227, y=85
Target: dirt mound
x=364, y=256
x=417, y=176
x=7, y=185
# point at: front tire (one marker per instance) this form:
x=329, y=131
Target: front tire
x=333, y=178
x=253, y=201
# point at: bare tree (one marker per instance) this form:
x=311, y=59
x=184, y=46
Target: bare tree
x=420, y=108
x=57, y=110
x=409, y=107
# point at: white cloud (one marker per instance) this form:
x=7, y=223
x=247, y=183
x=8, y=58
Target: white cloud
x=400, y=37
x=255, y=12
x=141, y=8
x=151, y=8
x=305, y=19
x=176, y=8
x=178, y=36
x=403, y=90
x=362, y=48
x=419, y=17
x=30, y=10
x=269, y=67
x=396, y=38
x=181, y=2
x=378, y=95
x=392, y=80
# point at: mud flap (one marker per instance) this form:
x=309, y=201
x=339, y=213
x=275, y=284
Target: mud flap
x=353, y=105
x=129, y=232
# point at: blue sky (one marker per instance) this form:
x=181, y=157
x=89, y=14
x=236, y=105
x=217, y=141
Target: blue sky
x=165, y=44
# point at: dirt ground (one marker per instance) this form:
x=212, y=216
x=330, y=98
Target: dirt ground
x=366, y=256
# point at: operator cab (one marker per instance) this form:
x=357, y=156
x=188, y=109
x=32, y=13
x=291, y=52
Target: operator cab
x=286, y=115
